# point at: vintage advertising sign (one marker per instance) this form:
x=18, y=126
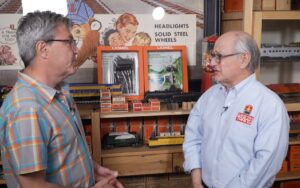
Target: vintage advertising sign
x=139, y=30
x=172, y=30
x=9, y=54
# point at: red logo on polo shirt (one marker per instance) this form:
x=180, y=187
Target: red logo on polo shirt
x=245, y=117
x=248, y=109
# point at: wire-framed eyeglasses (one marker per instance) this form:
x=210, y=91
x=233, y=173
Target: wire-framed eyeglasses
x=218, y=57
x=71, y=42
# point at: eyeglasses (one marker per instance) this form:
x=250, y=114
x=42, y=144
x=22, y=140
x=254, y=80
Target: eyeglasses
x=218, y=57
x=71, y=42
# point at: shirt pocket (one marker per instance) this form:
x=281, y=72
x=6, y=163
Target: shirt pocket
x=242, y=136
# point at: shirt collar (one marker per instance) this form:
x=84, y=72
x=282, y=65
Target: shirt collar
x=238, y=88
x=46, y=92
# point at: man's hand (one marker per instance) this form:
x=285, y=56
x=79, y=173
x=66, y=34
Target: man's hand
x=102, y=172
x=196, y=178
x=108, y=182
x=105, y=176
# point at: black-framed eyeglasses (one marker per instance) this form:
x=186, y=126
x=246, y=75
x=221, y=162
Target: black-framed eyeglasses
x=218, y=57
x=71, y=42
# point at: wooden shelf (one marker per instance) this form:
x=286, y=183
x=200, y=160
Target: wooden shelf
x=163, y=112
x=278, y=15
x=292, y=107
x=85, y=110
x=232, y=16
x=288, y=176
x=294, y=140
x=143, y=150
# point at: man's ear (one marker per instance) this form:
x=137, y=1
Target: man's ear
x=245, y=58
x=41, y=49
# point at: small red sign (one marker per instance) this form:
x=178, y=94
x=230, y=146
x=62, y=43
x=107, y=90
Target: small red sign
x=244, y=118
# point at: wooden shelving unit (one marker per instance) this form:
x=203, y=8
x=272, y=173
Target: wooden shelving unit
x=283, y=176
x=128, y=151
x=137, y=160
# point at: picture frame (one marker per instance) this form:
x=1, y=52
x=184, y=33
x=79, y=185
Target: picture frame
x=124, y=66
x=165, y=68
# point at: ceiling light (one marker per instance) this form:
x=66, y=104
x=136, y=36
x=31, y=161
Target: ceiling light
x=158, y=13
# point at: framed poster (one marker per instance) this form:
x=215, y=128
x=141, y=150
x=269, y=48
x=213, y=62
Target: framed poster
x=165, y=68
x=124, y=66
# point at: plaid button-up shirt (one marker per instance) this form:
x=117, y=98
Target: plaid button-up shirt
x=41, y=130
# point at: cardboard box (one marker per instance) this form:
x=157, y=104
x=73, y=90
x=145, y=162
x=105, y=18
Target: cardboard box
x=146, y=107
x=154, y=102
x=135, y=125
x=290, y=184
x=105, y=94
x=284, y=167
x=294, y=165
x=155, y=108
x=149, y=129
x=233, y=5
x=119, y=107
x=294, y=153
x=137, y=104
x=121, y=125
x=283, y=4
x=105, y=110
x=106, y=127
x=268, y=5
x=137, y=109
x=119, y=99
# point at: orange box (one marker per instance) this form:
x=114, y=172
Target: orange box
x=146, y=107
x=136, y=125
x=294, y=165
x=105, y=110
x=105, y=105
x=106, y=127
x=176, y=124
x=137, y=104
x=284, y=167
x=121, y=128
x=103, y=100
x=163, y=125
x=121, y=125
x=119, y=107
x=290, y=184
x=118, y=99
x=154, y=102
x=294, y=153
x=105, y=94
x=162, y=129
x=233, y=5
x=137, y=109
x=149, y=129
x=155, y=108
